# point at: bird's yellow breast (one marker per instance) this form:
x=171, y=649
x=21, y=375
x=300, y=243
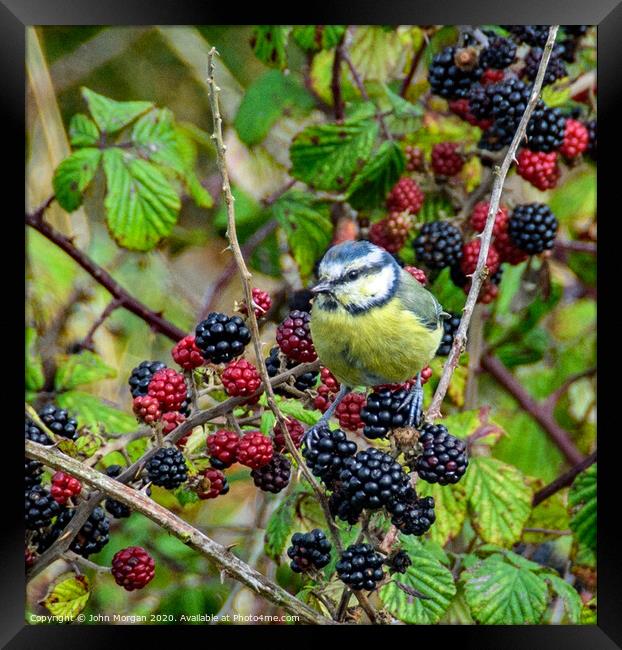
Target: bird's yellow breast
x=385, y=344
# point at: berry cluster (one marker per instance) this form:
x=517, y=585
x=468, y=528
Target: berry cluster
x=309, y=550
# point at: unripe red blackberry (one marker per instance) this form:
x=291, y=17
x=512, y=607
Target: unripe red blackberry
x=462, y=108
x=186, y=354
x=211, y=483
x=329, y=380
x=147, y=409
x=348, y=412
x=414, y=158
x=167, y=468
x=576, y=139
x=59, y=422
x=142, y=375
x=309, y=550
x=539, y=168
x=255, y=450
x=132, y=568
x=446, y=159
x=508, y=251
x=29, y=557
x=488, y=292
x=438, y=244
x=222, y=448
x=406, y=196
x=262, y=301
x=360, y=567
x=64, y=487
x=170, y=421
x=380, y=234
x=327, y=457
x=221, y=338
x=240, y=378
x=444, y=459
x=293, y=336
x=40, y=508
x=383, y=412
x=418, y=274
x=273, y=476
x=491, y=76
x=470, y=255
x=532, y=227
x=169, y=387
x=295, y=431
x=480, y=214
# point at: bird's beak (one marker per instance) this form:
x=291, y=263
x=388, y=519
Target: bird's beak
x=322, y=287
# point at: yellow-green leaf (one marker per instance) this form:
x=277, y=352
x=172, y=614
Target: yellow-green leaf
x=68, y=597
x=92, y=412
x=450, y=507
x=82, y=131
x=111, y=115
x=35, y=377
x=78, y=369
x=74, y=175
x=582, y=503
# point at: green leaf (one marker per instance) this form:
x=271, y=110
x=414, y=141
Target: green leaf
x=499, y=593
x=318, y=37
x=141, y=205
x=74, y=175
x=450, y=507
x=375, y=52
x=554, y=96
x=442, y=38
x=570, y=597
x=271, y=97
x=35, y=376
x=92, y=412
x=185, y=496
x=499, y=500
x=280, y=525
x=78, y=369
x=588, y=613
x=327, y=156
x=269, y=42
x=382, y=171
x=267, y=422
x=451, y=297
x=582, y=504
x=296, y=410
x=428, y=577
x=575, y=200
x=110, y=115
x=68, y=596
x=82, y=131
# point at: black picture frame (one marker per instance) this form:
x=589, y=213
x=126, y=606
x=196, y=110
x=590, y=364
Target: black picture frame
x=15, y=15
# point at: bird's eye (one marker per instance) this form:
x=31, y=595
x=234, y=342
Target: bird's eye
x=352, y=275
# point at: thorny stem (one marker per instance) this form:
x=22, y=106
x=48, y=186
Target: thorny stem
x=87, y=341
x=414, y=64
x=335, y=84
x=563, y=481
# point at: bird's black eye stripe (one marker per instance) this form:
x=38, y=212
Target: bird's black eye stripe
x=355, y=274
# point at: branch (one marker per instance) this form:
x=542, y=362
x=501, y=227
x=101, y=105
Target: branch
x=194, y=538
x=576, y=246
x=413, y=68
x=563, y=480
x=87, y=341
x=479, y=276
x=157, y=322
x=335, y=83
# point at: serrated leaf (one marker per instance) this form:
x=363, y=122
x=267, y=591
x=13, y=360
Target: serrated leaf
x=110, y=115
x=74, y=175
x=68, y=596
x=382, y=171
x=280, y=525
x=185, y=496
x=269, y=42
x=582, y=504
x=78, y=369
x=266, y=100
x=499, y=500
x=327, y=156
x=295, y=409
x=570, y=597
x=155, y=137
x=318, y=37
x=267, y=422
x=375, y=52
x=83, y=132
x=499, y=593
x=88, y=443
x=428, y=577
x=35, y=376
x=92, y=412
x=141, y=205
x=450, y=508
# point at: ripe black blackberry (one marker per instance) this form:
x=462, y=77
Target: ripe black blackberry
x=342, y=508
x=532, y=227
x=309, y=550
x=530, y=34
x=59, y=422
x=498, y=135
x=575, y=30
x=444, y=459
x=508, y=99
x=274, y=476
x=32, y=473
x=302, y=382
x=40, y=508
x=438, y=244
x=592, y=144
x=360, y=567
x=450, y=327
x=480, y=103
x=221, y=338
x=556, y=68
x=328, y=454
x=91, y=538
x=546, y=128
x=412, y=516
x=381, y=412
x=447, y=79
x=141, y=376
x=167, y=468
x=117, y=509
x=398, y=562
x=499, y=54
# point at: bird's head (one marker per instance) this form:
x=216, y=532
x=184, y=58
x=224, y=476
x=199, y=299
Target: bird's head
x=356, y=276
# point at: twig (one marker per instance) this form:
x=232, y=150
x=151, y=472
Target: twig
x=553, y=398
x=576, y=246
x=84, y=562
x=474, y=349
x=563, y=480
x=414, y=64
x=87, y=341
x=499, y=174
x=335, y=84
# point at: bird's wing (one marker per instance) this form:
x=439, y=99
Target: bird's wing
x=419, y=301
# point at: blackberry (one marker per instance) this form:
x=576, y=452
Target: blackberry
x=262, y=301
x=391, y=233
x=132, y=568
x=508, y=100
x=274, y=476
x=32, y=432
x=303, y=382
x=240, y=378
x=348, y=412
x=418, y=274
x=450, y=327
x=32, y=472
x=293, y=336
x=546, y=129
x=532, y=227
x=398, y=562
x=499, y=135
x=412, y=516
x=59, y=422
x=167, y=468
x=447, y=79
x=447, y=159
x=169, y=387
x=64, y=487
x=575, y=30
x=576, y=139
x=479, y=100
x=327, y=457
x=186, y=354
x=529, y=34
x=479, y=215
x=147, y=409
x=458, y=277
x=592, y=141
x=91, y=538
x=499, y=54
x=296, y=433
x=405, y=196
x=255, y=450
x=141, y=376
x=40, y=507
x=221, y=338
x=117, y=509
x=381, y=413
x=371, y=479
x=309, y=550
x=342, y=508
x=211, y=484
x=360, y=567
x=438, y=244
x=222, y=447
x=538, y=168
x=470, y=256
x=556, y=68
x=567, y=49
x=444, y=459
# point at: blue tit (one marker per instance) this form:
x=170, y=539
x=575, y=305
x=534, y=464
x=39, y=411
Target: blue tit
x=372, y=323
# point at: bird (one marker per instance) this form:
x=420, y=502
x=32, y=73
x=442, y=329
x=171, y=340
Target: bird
x=371, y=324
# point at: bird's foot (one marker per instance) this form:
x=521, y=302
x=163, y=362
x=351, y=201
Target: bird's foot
x=313, y=434
x=414, y=403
